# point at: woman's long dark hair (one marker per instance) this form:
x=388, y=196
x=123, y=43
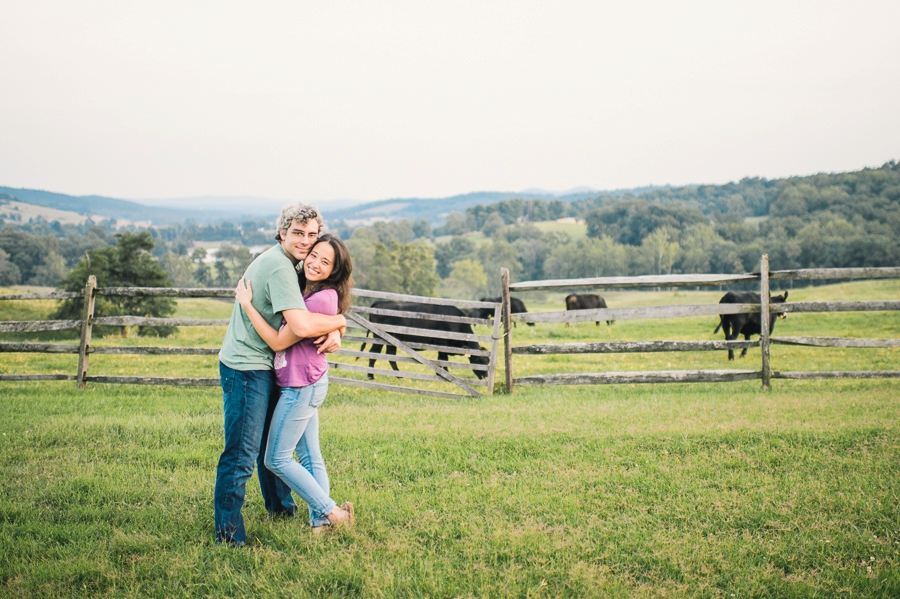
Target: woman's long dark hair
x=341, y=278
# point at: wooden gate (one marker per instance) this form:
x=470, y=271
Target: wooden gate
x=412, y=341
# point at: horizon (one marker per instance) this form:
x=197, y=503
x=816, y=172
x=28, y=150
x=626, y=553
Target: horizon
x=342, y=203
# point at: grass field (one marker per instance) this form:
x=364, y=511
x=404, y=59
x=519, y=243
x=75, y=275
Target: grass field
x=612, y=491
x=575, y=230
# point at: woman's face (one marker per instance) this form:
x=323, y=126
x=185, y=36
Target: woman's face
x=319, y=262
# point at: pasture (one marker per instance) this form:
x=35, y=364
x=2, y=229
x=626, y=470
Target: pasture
x=713, y=490
x=575, y=230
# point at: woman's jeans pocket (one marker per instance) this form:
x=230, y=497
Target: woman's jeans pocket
x=320, y=390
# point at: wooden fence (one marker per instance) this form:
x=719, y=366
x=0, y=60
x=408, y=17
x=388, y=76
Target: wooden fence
x=85, y=350
x=765, y=310
x=438, y=340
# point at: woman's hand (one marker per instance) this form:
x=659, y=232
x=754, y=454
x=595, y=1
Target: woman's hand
x=244, y=293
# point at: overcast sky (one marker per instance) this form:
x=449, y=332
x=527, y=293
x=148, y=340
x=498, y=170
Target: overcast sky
x=368, y=100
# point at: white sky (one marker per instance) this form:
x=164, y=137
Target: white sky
x=368, y=100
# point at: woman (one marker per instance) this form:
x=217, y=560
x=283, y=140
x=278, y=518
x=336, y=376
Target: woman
x=302, y=374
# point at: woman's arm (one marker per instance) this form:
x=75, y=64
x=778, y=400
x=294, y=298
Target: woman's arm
x=277, y=340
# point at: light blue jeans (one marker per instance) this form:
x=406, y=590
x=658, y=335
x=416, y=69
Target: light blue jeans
x=295, y=427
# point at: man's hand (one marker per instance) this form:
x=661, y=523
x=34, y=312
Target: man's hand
x=244, y=292
x=330, y=343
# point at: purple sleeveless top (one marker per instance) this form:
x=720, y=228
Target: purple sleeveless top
x=300, y=365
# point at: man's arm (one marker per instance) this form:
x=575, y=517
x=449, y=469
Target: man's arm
x=276, y=339
x=306, y=324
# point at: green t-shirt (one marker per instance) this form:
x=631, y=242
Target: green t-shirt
x=275, y=289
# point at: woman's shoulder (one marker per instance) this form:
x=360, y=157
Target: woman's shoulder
x=323, y=294
x=323, y=301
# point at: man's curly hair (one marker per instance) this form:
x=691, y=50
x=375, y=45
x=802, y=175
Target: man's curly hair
x=300, y=212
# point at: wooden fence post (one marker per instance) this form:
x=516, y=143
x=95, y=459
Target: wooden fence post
x=507, y=347
x=764, y=318
x=87, y=324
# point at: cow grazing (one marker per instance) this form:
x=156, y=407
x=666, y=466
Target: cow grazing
x=744, y=324
x=516, y=306
x=586, y=301
x=436, y=325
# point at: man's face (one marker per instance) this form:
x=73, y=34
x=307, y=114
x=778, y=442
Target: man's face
x=298, y=238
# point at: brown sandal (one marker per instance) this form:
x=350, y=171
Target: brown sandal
x=348, y=507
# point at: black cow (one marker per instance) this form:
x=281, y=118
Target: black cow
x=745, y=324
x=516, y=306
x=586, y=301
x=436, y=325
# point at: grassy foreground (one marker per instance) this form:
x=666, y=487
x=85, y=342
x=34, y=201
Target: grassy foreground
x=677, y=491
x=618, y=491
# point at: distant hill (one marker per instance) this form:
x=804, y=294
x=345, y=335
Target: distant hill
x=208, y=209
x=127, y=210
x=435, y=210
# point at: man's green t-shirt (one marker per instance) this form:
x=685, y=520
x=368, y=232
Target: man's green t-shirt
x=275, y=289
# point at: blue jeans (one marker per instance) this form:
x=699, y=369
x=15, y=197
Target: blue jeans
x=250, y=397
x=295, y=426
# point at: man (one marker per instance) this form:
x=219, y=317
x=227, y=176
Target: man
x=248, y=380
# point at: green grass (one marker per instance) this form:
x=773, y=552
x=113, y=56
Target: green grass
x=576, y=230
x=609, y=491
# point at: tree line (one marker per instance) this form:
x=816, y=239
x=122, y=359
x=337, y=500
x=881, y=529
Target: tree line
x=825, y=220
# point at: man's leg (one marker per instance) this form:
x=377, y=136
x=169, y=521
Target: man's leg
x=246, y=399
x=276, y=494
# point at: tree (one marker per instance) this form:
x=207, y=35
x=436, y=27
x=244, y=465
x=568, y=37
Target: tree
x=9, y=272
x=422, y=228
x=696, y=248
x=466, y=281
x=202, y=274
x=495, y=255
x=51, y=272
x=231, y=262
x=457, y=224
x=127, y=264
x=662, y=250
x=27, y=252
x=588, y=258
x=402, y=268
x=492, y=224
x=179, y=268
x=446, y=254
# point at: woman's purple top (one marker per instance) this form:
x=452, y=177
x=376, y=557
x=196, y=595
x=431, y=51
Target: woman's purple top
x=300, y=365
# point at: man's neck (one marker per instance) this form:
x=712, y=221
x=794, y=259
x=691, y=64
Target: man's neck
x=293, y=260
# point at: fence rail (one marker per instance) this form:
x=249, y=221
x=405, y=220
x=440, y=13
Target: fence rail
x=636, y=313
x=662, y=376
x=693, y=280
x=626, y=347
x=835, y=342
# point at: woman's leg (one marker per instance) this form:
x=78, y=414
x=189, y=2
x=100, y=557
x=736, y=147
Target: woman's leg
x=289, y=423
x=309, y=452
x=310, y=456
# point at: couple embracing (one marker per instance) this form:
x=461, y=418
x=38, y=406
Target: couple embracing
x=288, y=315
